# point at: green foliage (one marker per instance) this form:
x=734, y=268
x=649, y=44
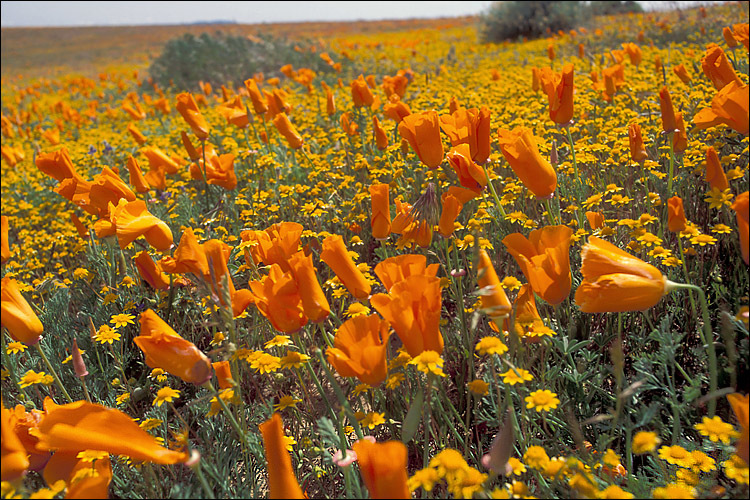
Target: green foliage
x=613, y=7
x=221, y=58
x=514, y=20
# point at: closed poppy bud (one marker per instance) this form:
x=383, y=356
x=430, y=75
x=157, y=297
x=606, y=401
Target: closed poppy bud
x=470, y=175
x=80, y=426
x=360, y=348
x=78, y=364
x=668, y=118
x=676, y=217
x=451, y=209
x=682, y=73
x=519, y=149
x=422, y=130
x=338, y=259
x=383, y=468
x=657, y=63
x=679, y=140
x=494, y=301
x=223, y=374
x=551, y=52
x=729, y=37
x=544, y=259
x=615, y=281
x=4, y=246
x=187, y=107
x=361, y=93
x=17, y=315
x=378, y=132
x=165, y=349
x=281, y=480
x=535, y=81
x=380, y=219
x=259, y=103
x=137, y=135
x=637, y=149
x=132, y=220
x=287, y=130
x=715, y=175
x=137, y=179
x=717, y=68
x=596, y=220
x=314, y=302
x=150, y=271
x=330, y=103
x=581, y=51
x=741, y=207
x=728, y=107
x=15, y=459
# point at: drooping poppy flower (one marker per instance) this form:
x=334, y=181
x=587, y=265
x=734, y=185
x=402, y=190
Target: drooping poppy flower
x=81, y=426
x=15, y=460
x=137, y=179
x=383, y=468
x=679, y=139
x=396, y=109
x=741, y=407
x=728, y=107
x=193, y=153
x=682, y=73
x=422, y=131
x=595, y=219
x=235, y=112
x=451, y=208
x=544, y=259
x=361, y=93
x=470, y=175
x=412, y=307
x=741, y=207
x=717, y=67
x=5, y=246
x=277, y=297
x=471, y=127
x=314, y=302
x=137, y=134
x=189, y=257
x=668, y=118
x=159, y=160
x=150, y=271
x=360, y=348
x=281, y=480
x=676, y=220
x=380, y=219
x=637, y=149
x=559, y=90
x=615, y=281
x=165, y=349
x=17, y=315
x=494, y=301
x=397, y=268
x=287, y=130
x=338, y=259
x=57, y=165
x=107, y=188
x=715, y=175
x=256, y=98
x=187, y=107
x=519, y=149
x=378, y=134
x=132, y=220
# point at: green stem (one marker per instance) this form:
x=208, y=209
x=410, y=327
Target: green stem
x=202, y=479
x=578, y=177
x=549, y=212
x=52, y=371
x=339, y=393
x=427, y=416
x=11, y=370
x=494, y=194
x=228, y=413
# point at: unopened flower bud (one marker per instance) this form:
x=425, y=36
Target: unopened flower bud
x=78, y=365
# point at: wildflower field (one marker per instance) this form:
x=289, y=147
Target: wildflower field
x=431, y=267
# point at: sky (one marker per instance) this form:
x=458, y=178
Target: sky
x=107, y=13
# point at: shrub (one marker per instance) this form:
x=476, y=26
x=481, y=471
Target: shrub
x=611, y=7
x=221, y=58
x=513, y=20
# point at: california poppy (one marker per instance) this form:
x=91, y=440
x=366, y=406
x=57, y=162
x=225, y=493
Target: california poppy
x=544, y=259
x=219, y=170
x=715, y=175
x=361, y=93
x=4, y=245
x=717, y=67
x=107, y=188
x=676, y=221
x=383, y=468
x=66, y=466
x=132, y=219
x=137, y=135
x=729, y=107
x=559, y=90
x=17, y=315
x=15, y=460
x=615, y=281
x=187, y=107
x=534, y=171
x=256, y=98
x=668, y=118
x=277, y=297
x=274, y=245
x=380, y=218
x=595, y=219
x=287, y=130
x=741, y=407
x=159, y=160
x=314, y=302
x=235, y=112
x=397, y=268
x=150, y=271
x=682, y=73
x=378, y=133
x=165, y=349
x=189, y=256
x=223, y=374
x=451, y=209
x=338, y=259
x=281, y=480
x=422, y=131
x=679, y=139
x=637, y=149
x=396, y=109
x=57, y=165
x=471, y=127
x=136, y=175
x=360, y=348
x=470, y=175
x=741, y=207
x=492, y=296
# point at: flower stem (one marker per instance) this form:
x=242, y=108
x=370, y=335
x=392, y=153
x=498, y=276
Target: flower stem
x=52, y=371
x=494, y=194
x=228, y=413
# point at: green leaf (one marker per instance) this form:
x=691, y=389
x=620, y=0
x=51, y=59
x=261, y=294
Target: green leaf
x=409, y=428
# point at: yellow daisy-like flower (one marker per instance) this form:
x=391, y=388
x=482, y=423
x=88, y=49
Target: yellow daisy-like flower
x=357, y=309
x=676, y=455
x=721, y=229
x=265, y=363
x=15, y=347
x=122, y=399
x=615, y=492
x=470, y=483
x=517, y=466
x=81, y=273
x=165, y=394
x=394, y=380
x=702, y=462
x=542, y=400
x=429, y=362
x=703, y=240
x=674, y=490
x=158, y=374
x=450, y=465
x=400, y=360
x=536, y=457
x=106, y=335
x=645, y=442
x=360, y=389
x=592, y=201
x=717, y=198
x=227, y=395
x=510, y=283
x=556, y=467
x=611, y=458
x=91, y=455
x=370, y=420
x=278, y=341
x=423, y=478
x=120, y=320
x=289, y=442
x=490, y=345
x=517, y=376
x=736, y=468
x=687, y=477
x=293, y=359
x=286, y=402
x=716, y=429
x=31, y=377
x=479, y=387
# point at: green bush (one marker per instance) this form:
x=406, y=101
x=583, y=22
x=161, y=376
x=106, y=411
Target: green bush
x=222, y=58
x=612, y=7
x=514, y=20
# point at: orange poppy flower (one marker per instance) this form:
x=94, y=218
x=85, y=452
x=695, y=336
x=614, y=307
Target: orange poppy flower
x=732, y=42
x=66, y=466
x=717, y=67
x=470, y=174
x=634, y=53
x=422, y=131
x=637, y=149
x=274, y=245
x=158, y=159
x=165, y=349
x=682, y=73
x=57, y=165
x=17, y=315
x=741, y=207
x=378, y=134
x=544, y=259
x=395, y=269
x=412, y=307
x=528, y=325
x=82, y=230
x=330, y=103
x=217, y=255
x=383, y=468
x=728, y=107
x=676, y=221
x=559, y=89
x=338, y=259
x=189, y=257
x=287, y=130
x=218, y=169
x=615, y=281
x=150, y=271
x=277, y=297
x=80, y=426
x=235, y=112
x=137, y=179
x=741, y=407
x=256, y=98
x=715, y=175
x=22, y=421
x=187, y=107
x=471, y=127
x=451, y=208
x=4, y=245
x=679, y=139
x=494, y=301
x=361, y=93
x=668, y=118
x=107, y=188
x=281, y=480
x=137, y=135
x=360, y=348
x=396, y=109
x=519, y=149
x=193, y=153
x=314, y=302
x=380, y=220
x=132, y=220
x=223, y=374
x=350, y=127
x=15, y=460
x=596, y=220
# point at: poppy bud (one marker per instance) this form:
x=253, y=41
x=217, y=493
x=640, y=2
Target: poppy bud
x=78, y=364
